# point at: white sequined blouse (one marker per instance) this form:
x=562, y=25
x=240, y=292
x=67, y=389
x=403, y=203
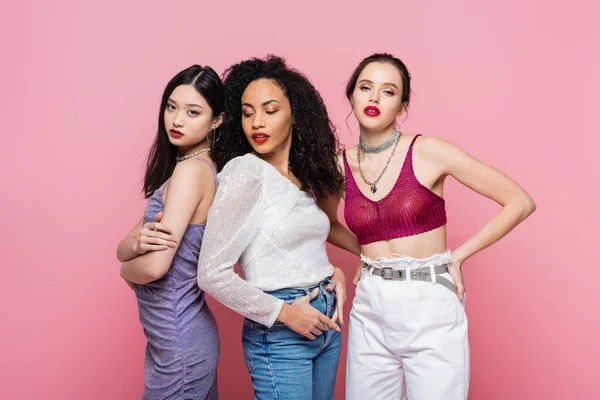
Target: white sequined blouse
x=275, y=230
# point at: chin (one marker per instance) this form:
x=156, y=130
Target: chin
x=260, y=149
x=370, y=124
x=264, y=150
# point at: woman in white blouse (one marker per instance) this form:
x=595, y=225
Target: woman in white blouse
x=277, y=155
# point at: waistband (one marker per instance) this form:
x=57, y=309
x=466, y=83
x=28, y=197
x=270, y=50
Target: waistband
x=279, y=293
x=406, y=262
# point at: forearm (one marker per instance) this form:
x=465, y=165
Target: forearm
x=139, y=270
x=341, y=237
x=125, y=251
x=505, y=221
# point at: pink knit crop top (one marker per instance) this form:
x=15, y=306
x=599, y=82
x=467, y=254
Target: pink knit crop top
x=409, y=209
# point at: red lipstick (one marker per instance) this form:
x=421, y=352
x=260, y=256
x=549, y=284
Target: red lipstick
x=371, y=111
x=260, y=137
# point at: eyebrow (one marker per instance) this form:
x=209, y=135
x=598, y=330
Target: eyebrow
x=385, y=83
x=191, y=105
x=266, y=103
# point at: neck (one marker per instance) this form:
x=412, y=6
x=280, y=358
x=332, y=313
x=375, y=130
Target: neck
x=184, y=151
x=375, y=137
x=279, y=157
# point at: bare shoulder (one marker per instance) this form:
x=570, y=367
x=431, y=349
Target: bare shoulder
x=193, y=175
x=426, y=145
x=449, y=158
x=434, y=147
x=191, y=167
x=350, y=155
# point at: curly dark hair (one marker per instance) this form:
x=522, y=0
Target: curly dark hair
x=314, y=140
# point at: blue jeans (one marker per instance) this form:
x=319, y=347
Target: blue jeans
x=284, y=364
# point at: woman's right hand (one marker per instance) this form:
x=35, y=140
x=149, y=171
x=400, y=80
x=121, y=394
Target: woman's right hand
x=154, y=236
x=304, y=319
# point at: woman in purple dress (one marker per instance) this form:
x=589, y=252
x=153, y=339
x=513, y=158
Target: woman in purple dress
x=160, y=263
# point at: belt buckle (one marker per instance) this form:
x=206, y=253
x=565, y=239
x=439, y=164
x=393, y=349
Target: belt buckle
x=388, y=273
x=422, y=275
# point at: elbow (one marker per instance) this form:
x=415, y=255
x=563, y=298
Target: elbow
x=129, y=276
x=527, y=207
x=532, y=207
x=121, y=259
x=203, y=281
x=155, y=272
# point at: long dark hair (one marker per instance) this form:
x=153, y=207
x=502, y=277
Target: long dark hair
x=382, y=58
x=314, y=139
x=161, y=159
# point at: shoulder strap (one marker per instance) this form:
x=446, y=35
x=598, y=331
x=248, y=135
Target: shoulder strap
x=408, y=161
x=214, y=171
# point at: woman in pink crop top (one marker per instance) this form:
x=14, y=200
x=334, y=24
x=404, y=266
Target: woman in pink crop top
x=408, y=328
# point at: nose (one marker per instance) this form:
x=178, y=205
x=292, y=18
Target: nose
x=258, y=121
x=374, y=97
x=178, y=120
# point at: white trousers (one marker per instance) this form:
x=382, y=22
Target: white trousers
x=407, y=339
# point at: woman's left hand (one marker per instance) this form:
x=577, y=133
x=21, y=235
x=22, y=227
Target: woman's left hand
x=456, y=274
x=338, y=285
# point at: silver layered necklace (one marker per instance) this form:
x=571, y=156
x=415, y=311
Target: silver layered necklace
x=393, y=140
x=195, y=153
x=383, y=146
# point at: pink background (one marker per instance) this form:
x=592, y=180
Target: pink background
x=513, y=82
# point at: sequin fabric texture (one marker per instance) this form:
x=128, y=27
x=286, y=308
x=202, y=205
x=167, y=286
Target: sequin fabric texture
x=275, y=230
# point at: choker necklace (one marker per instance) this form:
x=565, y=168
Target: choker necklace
x=195, y=153
x=383, y=146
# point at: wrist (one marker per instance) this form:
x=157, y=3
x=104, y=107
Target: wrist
x=459, y=256
x=283, y=314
